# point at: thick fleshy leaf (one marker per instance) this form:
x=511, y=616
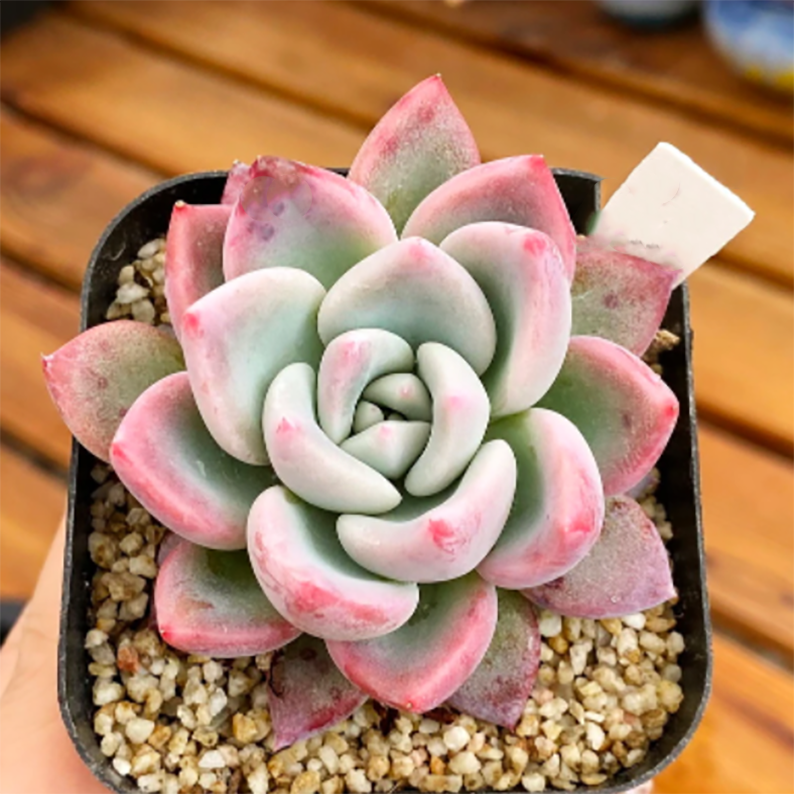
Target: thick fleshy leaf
x=237, y=339
x=618, y=296
x=559, y=505
x=193, y=255
x=348, y=364
x=235, y=182
x=418, y=292
x=389, y=447
x=403, y=393
x=95, y=378
x=417, y=667
x=625, y=411
x=625, y=572
x=306, y=692
x=522, y=275
x=295, y=215
x=498, y=690
x=171, y=464
x=460, y=418
x=420, y=143
x=519, y=190
x=209, y=602
x=366, y=415
x=435, y=542
x=307, y=461
x=309, y=578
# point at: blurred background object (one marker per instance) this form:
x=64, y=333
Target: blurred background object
x=756, y=37
x=650, y=13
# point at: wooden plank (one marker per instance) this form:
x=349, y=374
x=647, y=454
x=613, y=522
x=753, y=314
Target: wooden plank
x=744, y=354
x=368, y=62
x=680, y=66
x=35, y=318
x=165, y=114
x=32, y=502
x=58, y=196
x=745, y=742
x=748, y=513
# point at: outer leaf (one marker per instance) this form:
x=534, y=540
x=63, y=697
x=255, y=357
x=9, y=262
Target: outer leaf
x=460, y=418
x=522, y=275
x=418, y=542
x=209, y=602
x=349, y=363
x=163, y=453
x=295, y=215
x=307, y=461
x=237, y=339
x=418, y=292
x=498, y=690
x=626, y=571
x=194, y=255
x=519, y=190
x=559, y=504
x=389, y=447
x=307, y=694
x=98, y=375
x=617, y=296
x=235, y=182
x=623, y=408
x=420, y=143
x=311, y=581
x=417, y=667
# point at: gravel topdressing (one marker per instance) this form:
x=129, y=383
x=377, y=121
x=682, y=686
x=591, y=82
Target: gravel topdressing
x=179, y=723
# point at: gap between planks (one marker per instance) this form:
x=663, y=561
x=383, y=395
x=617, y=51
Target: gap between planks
x=365, y=67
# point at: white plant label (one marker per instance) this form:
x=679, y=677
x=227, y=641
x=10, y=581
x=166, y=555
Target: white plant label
x=672, y=212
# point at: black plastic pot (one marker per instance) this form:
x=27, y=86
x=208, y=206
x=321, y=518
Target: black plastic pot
x=15, y=13
x=147, y=217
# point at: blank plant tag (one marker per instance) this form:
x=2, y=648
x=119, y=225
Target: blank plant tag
x=672, y=212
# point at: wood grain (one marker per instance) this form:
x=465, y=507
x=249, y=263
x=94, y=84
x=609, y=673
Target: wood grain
x=35, y=318
x=57, y=196
x=680, y=66
x=368, y=62
x=744, y=354
x=32, y=502
x=154, y=109
x=748, y=515
x=745, y=742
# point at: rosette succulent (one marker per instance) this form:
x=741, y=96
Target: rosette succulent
x=396, y=410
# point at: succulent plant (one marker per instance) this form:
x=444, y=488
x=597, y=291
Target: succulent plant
x=395, y=411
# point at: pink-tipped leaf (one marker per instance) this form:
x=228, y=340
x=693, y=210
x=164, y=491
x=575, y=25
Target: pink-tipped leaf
x=425, y=540
x=294, y=215
x=519, y=190
x=625, y=411
x=307, y=694
x=237, y=339
x=418, y=292
x=419, y=666
x=498, y=690
x=165, y=455
x=625, y=572
x=209, y=602
x=559, y=506
x=235, y=182
x=523, y=277
x=618, y=296
x=96, y=377
x=309, y=578
x=420, y=143
x=193, y=255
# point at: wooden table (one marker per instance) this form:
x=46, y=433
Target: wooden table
x=102, y=100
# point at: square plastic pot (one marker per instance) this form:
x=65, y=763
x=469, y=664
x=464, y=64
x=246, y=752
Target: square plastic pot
x=147, y=217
